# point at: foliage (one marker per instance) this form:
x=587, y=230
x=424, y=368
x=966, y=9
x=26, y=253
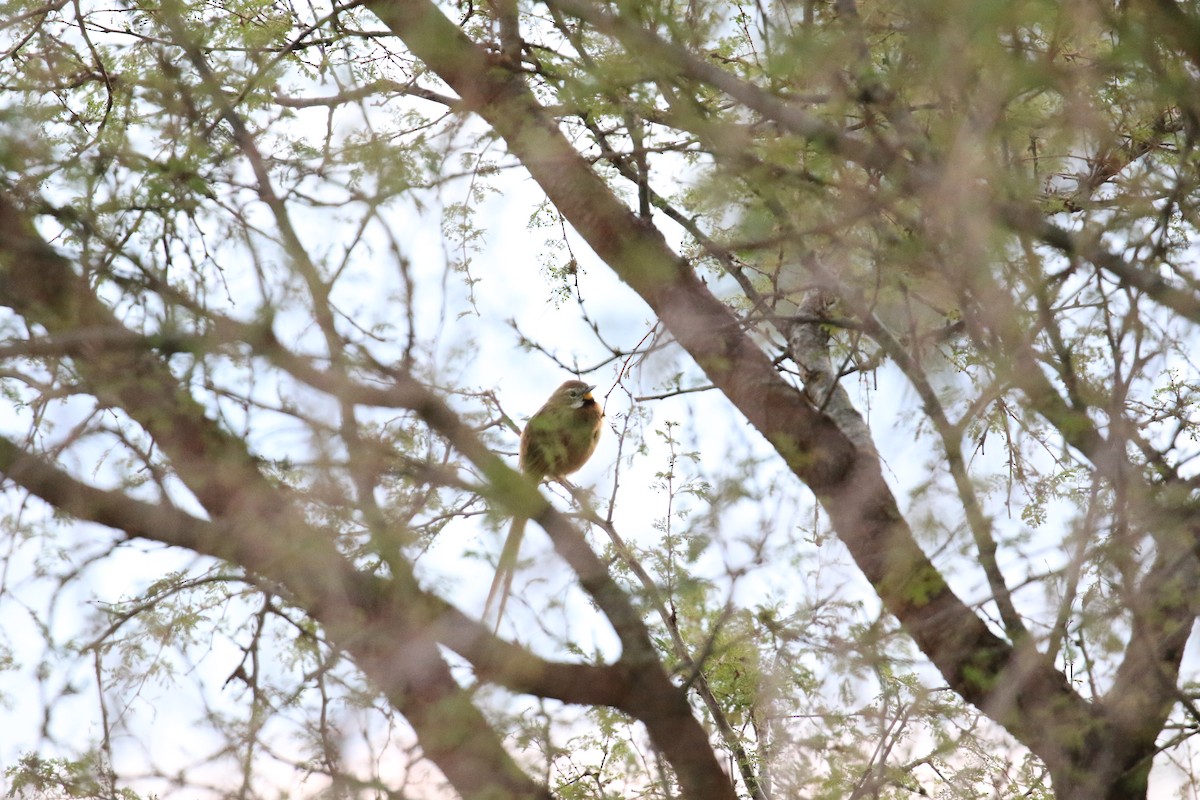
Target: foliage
x=280, y=284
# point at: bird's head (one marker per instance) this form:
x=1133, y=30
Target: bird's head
x=573, y=394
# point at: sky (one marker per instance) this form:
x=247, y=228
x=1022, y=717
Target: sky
x=470, y=344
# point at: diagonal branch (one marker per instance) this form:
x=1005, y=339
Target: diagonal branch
x=1021, y=689
x=393, y=642
x=493, y=658
x=266, y=531
x=1029, y=221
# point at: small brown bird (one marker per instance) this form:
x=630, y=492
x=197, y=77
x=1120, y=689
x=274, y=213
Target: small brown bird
x=557, y=441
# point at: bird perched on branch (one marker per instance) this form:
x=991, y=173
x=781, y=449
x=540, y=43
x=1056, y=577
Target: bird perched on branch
x=557, y=441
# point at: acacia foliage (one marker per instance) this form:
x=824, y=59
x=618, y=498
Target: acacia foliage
x=231, y=328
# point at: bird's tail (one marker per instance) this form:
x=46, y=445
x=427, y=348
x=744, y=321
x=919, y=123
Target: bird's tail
x=505, y=567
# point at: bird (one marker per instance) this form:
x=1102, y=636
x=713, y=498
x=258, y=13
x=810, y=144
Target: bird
x=557, y=440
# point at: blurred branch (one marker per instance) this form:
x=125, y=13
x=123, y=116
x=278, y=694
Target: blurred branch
x=257, y=523
x=324, y=583
x=673, y=59
x=380, y=88
x=1039, y=706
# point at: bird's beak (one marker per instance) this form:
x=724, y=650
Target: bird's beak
x=588, y=390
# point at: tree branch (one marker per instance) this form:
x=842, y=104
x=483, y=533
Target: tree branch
x=1021, y=689
x=265, y=531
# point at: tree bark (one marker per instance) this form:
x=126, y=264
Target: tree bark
x=1017, y=686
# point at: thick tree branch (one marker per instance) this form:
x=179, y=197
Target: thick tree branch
x=404, y=663
x=265, y=525
x=493, y=658
x=1020, y=689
